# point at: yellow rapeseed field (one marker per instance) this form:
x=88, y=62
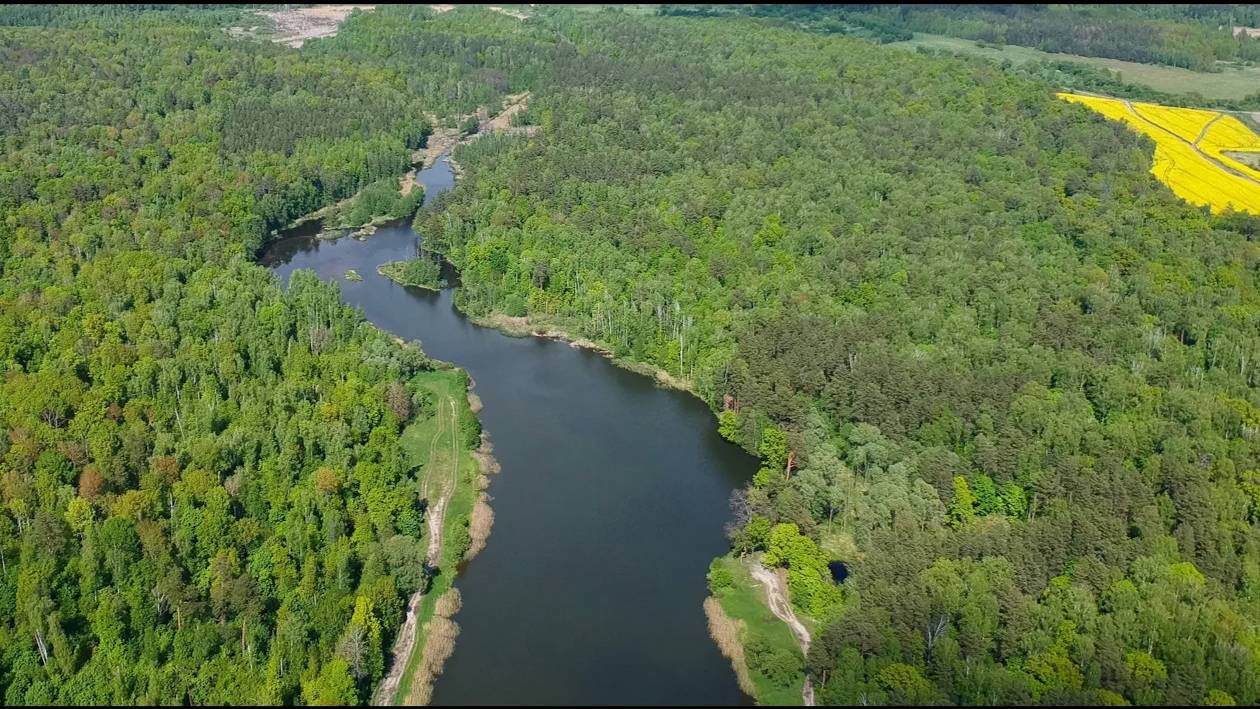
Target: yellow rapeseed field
x=1190, y=150
x=1229, y=134
x=1185, y=122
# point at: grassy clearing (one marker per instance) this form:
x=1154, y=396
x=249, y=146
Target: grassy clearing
x=435, y=444
x=743, y=604
x=839, y=544
x=1232, y=83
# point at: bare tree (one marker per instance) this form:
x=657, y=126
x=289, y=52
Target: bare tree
x=935, y=630
x=353, y=648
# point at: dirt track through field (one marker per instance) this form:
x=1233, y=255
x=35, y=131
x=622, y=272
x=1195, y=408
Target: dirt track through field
x=435, y=516
x=1195, y=145
x=777, y=599
x=444, y=485
x=1203, y=133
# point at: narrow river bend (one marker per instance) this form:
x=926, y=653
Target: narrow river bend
x=608, y=509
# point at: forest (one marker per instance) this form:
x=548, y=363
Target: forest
x=203, y=498
x=986, y=360
x=1014, y=375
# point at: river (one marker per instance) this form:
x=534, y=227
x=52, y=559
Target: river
x=609, y=507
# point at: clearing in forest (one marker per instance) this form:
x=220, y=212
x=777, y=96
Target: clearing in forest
x=1205, y=157
x=296, y=25
x=1231, y=82
x=510, y=13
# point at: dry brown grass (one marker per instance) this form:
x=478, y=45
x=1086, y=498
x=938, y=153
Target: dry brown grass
x=726, y=633
x=448, y=604
x=479, y=525
x=484, y=456
x=439, y=643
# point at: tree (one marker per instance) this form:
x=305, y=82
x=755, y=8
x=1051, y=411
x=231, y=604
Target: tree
x=80, y=515
x=728, y=426
x=333, y=687
x=962, y=510
x=905, y=684
x=773, y=448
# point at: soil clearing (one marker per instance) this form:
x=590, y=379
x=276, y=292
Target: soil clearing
x=776, y=598
x=509, y=13
x=295, y=26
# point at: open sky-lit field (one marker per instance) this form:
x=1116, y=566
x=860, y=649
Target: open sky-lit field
x=1229, y=83
x=1196, y=151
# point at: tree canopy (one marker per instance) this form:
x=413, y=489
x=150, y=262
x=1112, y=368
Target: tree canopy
x=202, y=496
x=1016, y=376
x=986, y=359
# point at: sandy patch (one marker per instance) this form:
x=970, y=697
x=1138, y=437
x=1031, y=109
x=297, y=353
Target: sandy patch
x=295, y=26
x=509, y=13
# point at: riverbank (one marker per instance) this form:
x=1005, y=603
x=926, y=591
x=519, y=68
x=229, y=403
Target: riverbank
x=444, y=139
x=551, y=409
x=560, y=419
x=555, y=330
x=440, y=141
x=763, y=650
x=452, y=477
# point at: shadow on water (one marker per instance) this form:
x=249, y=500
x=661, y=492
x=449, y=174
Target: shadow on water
x=609, y=507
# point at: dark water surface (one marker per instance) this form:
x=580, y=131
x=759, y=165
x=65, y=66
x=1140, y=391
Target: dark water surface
x=608, y=509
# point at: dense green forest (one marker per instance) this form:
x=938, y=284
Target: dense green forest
x=377, y=201
x=1014, y=376
x=202, y=494
x=421, y=272
x=987, y=360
